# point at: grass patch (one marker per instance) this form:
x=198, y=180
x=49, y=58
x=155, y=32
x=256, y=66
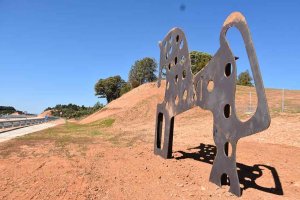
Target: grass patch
x=63, y=135
x=115, y=139
x=106, y=123
x=96, y=133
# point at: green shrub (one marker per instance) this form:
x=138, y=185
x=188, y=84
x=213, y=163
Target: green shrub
x=74, y=111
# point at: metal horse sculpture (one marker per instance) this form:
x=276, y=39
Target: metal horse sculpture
x=184, y=91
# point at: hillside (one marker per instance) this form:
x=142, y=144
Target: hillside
x=134, y=114
x=147, y=96
x=130, y=102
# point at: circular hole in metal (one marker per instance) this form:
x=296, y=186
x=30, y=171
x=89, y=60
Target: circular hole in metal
x=227, y=111
x=228, y=69
x=210, y=86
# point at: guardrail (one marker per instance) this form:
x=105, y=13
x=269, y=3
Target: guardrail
x=16, y=116
x=25, y=122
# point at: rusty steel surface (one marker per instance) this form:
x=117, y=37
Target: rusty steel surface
x=185, y=90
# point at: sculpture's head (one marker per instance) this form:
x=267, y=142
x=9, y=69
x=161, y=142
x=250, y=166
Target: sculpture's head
x=173, y=44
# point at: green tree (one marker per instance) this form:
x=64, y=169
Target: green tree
x=109, y=88
x=245, y=79
x=7, y=110
x=199, y=60
x=97, y=106
x=49, y=108
x=126, y=88
x=142, y=71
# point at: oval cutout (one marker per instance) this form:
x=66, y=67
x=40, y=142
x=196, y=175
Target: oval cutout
x=210, y=86
x=228, y=70
x=182, y=60
x=176, y=78
x=246, y=95
x=168, y=85
x=183, y=74
x=170, y=39
x=227, y=111
x=170, y=51
x=184, y=96
x=176, y=100
x=177, y=38
x=163, y=72
x=228, y=149
x=160, y=130
x=181, y=44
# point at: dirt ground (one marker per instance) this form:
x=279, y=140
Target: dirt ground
x=113, y=159
x=108, y=171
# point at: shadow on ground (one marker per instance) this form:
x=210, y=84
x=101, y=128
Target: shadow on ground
x=247, y=174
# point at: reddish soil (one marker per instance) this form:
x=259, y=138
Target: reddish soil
x=124, y=166
x=109, y=172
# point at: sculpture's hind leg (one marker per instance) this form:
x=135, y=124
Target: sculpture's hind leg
x=225, y=166
x=163, y=118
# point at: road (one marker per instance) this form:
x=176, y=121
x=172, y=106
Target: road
x=26, y=130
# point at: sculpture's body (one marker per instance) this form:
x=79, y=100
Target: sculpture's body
x=184, y=91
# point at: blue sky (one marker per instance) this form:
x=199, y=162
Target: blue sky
x=54, y=51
